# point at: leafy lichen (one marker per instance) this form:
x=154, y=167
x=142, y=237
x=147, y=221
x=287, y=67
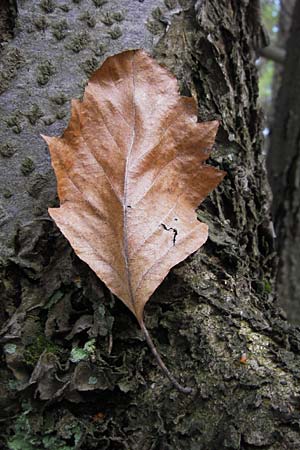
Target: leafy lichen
x=82, y=354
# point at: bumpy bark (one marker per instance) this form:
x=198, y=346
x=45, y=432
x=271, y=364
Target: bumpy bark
x=284, y=169
x=76, y=372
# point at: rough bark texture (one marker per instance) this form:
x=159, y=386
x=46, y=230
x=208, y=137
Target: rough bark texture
x=284, y=170
x=75, y=370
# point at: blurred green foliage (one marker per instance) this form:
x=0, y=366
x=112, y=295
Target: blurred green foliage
x=270, y=14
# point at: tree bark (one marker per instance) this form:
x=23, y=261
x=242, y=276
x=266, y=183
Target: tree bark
x=284, y=170
x=76, y=372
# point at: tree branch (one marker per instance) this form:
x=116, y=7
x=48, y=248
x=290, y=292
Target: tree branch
x=275, y=54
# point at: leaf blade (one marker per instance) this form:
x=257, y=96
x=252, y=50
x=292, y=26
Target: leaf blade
x=128, y=169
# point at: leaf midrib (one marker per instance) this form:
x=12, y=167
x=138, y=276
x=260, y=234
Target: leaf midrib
x=125, y=206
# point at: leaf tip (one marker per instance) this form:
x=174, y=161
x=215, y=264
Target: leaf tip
x=46, y=138
x=52, y=213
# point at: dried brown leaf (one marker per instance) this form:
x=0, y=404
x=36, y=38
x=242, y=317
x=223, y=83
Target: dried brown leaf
x=130, y=172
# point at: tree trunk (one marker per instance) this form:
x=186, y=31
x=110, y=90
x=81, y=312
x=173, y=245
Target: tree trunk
x=76, y=372
x=284, y=169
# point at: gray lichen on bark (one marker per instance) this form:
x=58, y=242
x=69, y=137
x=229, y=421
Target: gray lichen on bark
x=73, y=354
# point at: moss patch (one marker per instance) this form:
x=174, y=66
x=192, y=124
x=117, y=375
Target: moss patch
x=34, y=114
x=79, y=42
x=11, y=61
x=59, y=29
x=88, y=18
x=33, y=351
x=7, y=150
x=40, y=22
x=14, y=123
x=47, y=5
x=99, y=3
x=90, y=65
x=27, y=166
x=44, y=72
x=115, y=32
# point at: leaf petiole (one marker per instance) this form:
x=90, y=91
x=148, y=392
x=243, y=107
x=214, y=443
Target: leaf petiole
x=179, y=387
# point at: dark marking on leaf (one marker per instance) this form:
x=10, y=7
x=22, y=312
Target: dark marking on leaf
x=175, y=232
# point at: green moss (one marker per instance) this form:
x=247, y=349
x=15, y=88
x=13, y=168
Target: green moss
x=44, y=72
x=89, y=66
x=11, y=62
x=33, y=351
x=59, y=29
x=184, y=3
x=98, y=3
x=27, y=166
x=59, y=99
x=29, y=433
x=100, y=49
x=107, y=19
x=47, y=5
x=14, y=123
x=30, y=28
x=170, y=4
x=154, y=27
x=79, y=42
x=88, y=18
x=40, y=22
x=36, y=185
x=267, y=286
x=115, y=32
x=65, y=8
x=7, y=193
x=3, y=215
x=34, y=114
x=118, y=16
x=49, y=120
x=61, y=114
x=7, y=150
x=157, y=13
